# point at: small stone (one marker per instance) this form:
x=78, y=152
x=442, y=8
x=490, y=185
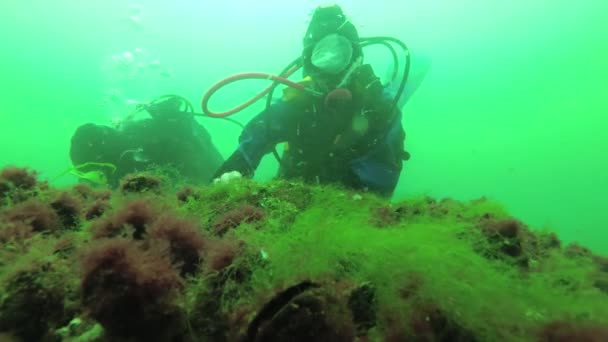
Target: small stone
x=264, y=254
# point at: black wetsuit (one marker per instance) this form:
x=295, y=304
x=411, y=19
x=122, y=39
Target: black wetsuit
x=174, y=139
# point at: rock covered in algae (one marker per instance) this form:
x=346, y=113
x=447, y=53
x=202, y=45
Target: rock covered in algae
x=243, y=261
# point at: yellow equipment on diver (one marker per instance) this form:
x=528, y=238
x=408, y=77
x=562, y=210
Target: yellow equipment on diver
x=291, y=94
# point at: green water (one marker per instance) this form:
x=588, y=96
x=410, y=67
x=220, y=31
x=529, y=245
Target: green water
x=512, y=107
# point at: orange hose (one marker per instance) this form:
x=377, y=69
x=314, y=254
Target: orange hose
x=252, y=75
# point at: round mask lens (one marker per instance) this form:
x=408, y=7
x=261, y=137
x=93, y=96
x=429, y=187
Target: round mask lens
x=332, y=54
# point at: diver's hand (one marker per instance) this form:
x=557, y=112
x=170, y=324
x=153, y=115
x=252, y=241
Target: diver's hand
x=227, y=177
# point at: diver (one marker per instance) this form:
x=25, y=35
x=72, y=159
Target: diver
x=342, y=126
x=167, y=136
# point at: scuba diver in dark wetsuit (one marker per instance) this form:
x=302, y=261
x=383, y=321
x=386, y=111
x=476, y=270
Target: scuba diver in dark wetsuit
x=170, y=136
x=341, y=126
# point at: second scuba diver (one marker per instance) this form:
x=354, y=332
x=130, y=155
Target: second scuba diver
x=169, y=136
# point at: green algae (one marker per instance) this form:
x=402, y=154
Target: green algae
x=419, y=255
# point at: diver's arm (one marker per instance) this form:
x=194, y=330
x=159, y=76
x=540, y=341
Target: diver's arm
x=258, y=138
x=380, y=168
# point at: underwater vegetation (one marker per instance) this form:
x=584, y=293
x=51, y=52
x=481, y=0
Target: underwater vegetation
x=282, y=261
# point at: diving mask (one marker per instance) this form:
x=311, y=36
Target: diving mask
x=332, y=54
x=331, y=44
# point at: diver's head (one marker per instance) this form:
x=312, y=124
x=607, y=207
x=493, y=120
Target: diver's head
x=164, y=107
x=331, y=47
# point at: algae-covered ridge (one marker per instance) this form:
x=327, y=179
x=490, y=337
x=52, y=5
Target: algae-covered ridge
x=282, y=261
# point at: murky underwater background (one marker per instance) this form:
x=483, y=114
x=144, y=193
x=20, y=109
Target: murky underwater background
x=513, y=108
